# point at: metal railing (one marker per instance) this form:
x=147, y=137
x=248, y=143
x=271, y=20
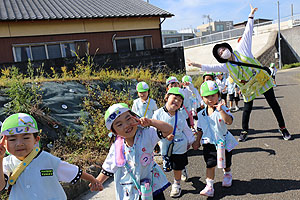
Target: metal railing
x=238, y=32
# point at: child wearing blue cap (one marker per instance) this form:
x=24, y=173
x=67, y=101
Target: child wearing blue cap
x=130, y=158
x=144, y=106
x=28, y=172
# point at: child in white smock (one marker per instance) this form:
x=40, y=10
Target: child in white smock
x=182, y=136
x=144, y=106
x=212, y=130
x=130, y=158
x=28, y=172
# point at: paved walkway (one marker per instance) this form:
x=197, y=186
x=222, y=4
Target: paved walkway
x=265, y=166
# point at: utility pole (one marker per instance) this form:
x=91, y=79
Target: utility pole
x=209, y=20
x=279, y=48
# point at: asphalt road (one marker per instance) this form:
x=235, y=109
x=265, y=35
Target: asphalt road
x=265, y=166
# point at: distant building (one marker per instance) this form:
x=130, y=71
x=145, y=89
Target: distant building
x=172, y=36
x=256, y=21
x=43, y=29
x=214, y=27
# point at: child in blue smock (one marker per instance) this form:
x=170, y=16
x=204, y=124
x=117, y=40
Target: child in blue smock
x=182, y=137
x=130, y=158
x=212, y=129
x=144, y=106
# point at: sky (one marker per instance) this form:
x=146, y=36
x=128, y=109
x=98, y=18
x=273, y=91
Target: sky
x=189, y=13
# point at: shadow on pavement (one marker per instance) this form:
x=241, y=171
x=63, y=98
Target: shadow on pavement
x=196, y=183
x=256, y=187
x=253, y=149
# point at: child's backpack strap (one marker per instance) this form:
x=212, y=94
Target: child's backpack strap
x=18, y=171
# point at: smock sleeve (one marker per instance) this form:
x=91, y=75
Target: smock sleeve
x=67, y=172
x=214, y=68
x=189, y=134
x=109, y=164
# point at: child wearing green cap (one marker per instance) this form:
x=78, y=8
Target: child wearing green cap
x=130, y=158
x=28, y=172
x=212, y=130
x=144, y=106
x=181, y=138
x=208, y=76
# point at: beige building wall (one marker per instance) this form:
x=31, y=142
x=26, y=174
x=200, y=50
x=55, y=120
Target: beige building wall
x=55, y=27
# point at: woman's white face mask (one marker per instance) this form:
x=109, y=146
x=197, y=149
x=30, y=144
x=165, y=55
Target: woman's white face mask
x=226, y=54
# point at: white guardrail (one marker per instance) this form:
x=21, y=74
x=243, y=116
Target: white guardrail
x=285, y=23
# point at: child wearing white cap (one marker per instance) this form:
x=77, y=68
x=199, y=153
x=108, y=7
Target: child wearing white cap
x=177, y=143
x=29, y=172
x=130, y=158
x=144, y=106
x=213, y=131
x=195, y=99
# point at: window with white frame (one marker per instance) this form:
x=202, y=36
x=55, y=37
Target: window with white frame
x=51, y=50
x=137, y=43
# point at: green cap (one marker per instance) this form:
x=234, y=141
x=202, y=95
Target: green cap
x=272, y=65
x=209, y=88
x=142, y=87
x=113, y=112
x=171, y=79
x=187, y=78
x=208, y=74
x=19, y=123
x=219, y=73
x=177, y=91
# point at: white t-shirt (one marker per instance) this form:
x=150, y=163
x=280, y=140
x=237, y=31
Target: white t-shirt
x=40, y=179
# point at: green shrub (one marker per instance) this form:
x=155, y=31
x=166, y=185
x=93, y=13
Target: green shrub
x=288, y=66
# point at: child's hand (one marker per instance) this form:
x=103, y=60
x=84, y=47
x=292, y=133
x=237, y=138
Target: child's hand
x=220, y=104
x=2, y=148
x=142, y=121
x=96, y=186
x=170, y=137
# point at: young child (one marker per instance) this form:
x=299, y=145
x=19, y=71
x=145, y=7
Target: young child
x=173, y=82
x=30, y=172
x=273, y=70
x=212, y=130
x=182, y=136
x=221, y=81
x=130, y=158
x=144, y=106
x=234, y=94
x=208, y=76
x=194, y=97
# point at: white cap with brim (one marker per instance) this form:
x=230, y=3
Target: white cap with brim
x=113, y=112
x=19, y=123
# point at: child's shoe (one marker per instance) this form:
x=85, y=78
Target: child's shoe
x=176, y=190
x=236, y=108
x=227, y=180
x=208, y=191
x=184, y=175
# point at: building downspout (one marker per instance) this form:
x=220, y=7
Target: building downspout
x=161, y=39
